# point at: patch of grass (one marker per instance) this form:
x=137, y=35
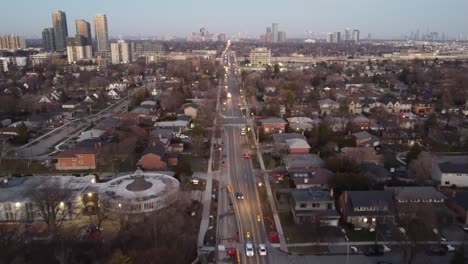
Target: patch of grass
x=307, y=250
x=360, y=235
x=296, y=233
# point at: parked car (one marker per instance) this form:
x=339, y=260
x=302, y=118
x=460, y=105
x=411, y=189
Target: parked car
x=450, y=248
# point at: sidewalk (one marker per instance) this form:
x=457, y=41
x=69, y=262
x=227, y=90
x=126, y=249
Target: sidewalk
x=279, y=227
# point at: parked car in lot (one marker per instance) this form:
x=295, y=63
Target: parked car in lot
x=450, y=248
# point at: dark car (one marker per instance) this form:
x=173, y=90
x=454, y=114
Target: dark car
x=239, y=196
x=375, y=250
x=437, y=250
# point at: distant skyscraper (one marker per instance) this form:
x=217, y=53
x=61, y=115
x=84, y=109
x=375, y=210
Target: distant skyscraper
x=356, y=36
x=59, y=22
x=120, y=52
x=78, y=49
x=48, y=39
x=347, y=35
x=203, y=32
x=337, y=37
x=83, y=29
x=12, y=42
x=222, y=37
x=101, y=33
x=274, y=32
x=329, y=37
x=281, y=36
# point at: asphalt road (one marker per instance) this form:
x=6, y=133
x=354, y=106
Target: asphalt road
x=241, y=177
x=39, y=148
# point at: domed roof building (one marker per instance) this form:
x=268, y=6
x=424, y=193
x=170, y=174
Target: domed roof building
x=133, y=196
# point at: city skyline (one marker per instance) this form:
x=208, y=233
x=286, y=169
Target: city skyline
x=383, y=20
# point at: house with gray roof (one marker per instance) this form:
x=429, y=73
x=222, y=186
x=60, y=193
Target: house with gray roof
x=292, y=161
x=314, y=206
x=364, y=209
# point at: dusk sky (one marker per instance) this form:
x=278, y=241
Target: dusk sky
x=382, y=18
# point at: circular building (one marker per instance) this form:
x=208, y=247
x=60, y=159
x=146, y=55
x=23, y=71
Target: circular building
x=133, y=196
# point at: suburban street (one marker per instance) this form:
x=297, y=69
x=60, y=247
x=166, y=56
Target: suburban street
x=238, y=172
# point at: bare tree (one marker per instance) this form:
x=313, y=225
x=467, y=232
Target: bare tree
x=421, y=168
x=52, y=202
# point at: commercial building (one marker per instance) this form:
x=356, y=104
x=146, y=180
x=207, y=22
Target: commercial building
x=76, y=159
x=48, y=39
x=120, y=52
x=451, y=174
x=83, y=29
x=260, y=57
x=329, y=37
x=59, y=22
x=347, y=35
x=222, y=37
x=337, y=37
x=101, y=33
x=78, y=49
x=12, y=42
x=275, y=28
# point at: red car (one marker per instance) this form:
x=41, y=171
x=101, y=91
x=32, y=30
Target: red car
x=246, y=155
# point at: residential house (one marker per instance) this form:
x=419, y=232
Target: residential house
x=361, y=122
x=364, y=209
x=305, y=178
x=113, y=95
x=76, y=159
x=297, y=146
x=119, y=86
x=273, y=125
x=422, y=107
x=421, y=201
x=302, y=123
x=279, y=141
x=393, y=105
x=292, y=161
x=328, y=106
x=153, y=158
x=190, y=109
x=355, y=107
x=337, y=124
x=314, y=206
x=365, y=139
x=449, y=174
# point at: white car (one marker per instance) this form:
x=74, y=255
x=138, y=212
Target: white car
x=249, y=250
x=450, y=248
x=262, y=249
x=402, y=230
x=386, y=248
x=183, y=136
x=354, y=249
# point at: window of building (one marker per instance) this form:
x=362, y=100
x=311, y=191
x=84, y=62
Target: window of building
x=73, y=159
x=80, y=162
x=302, y=205
x=329, y=206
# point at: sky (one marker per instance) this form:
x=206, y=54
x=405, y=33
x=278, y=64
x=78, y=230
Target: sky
x=381, y=18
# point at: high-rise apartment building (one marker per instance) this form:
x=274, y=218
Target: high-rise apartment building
x=12, y=42
x=101, y=33
x=78, y=49
x=356, y=36
x=337, y=37
x=59, y=22
x=222, y=37
x=260, y=57
x=48, y=39
x=281, y=36
x=347, y=35
x=274, y=32
x=329, y=37
x=83, y=29
x=120, y=52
